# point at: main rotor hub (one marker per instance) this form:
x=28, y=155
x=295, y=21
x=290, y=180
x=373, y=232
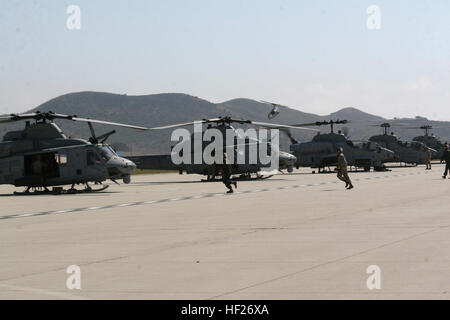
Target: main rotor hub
x=330, y=123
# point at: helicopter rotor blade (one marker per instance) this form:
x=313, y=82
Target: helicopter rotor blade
x=102, y=138
x=103, y=122
x=288, y=132
x=91, y=128
x=321, y=123
x=311, y=124
x=426, y=127
x=186, y=124
x=230, y=120
x=279, y=126
x=390, y=124
x=18, y=117
x=439, y=127
x=271, y=103
x=52, y=116
x=410, y=128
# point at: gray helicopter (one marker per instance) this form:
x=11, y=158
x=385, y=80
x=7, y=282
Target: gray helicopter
x=42, y=156
x=413, y=152
x=275, y=111
x=321, y=152
x=247, y=170
x=430, y=140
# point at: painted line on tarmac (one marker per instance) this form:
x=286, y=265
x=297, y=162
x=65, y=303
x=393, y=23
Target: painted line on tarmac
x=51, y=293
x=210, y=195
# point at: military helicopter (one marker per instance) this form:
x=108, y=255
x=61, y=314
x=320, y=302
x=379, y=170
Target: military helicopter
x=321, y=152
x=247, y=170
x=42, y=156
x=430, y=140
x=407, y=152
x=275, y=111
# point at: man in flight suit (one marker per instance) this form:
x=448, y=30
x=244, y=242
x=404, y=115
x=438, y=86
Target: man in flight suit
x=342, y=169
x=428, y=159
x=226, y=174
x=446, y=157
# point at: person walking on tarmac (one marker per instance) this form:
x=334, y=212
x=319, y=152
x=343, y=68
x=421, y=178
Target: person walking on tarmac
x=428, y=159
x=226, y=174
x=342, y=169
x=446, y=157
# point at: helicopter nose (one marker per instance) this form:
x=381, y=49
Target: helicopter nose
x=120, y=166
x=292, y=159
x=129, y=166
x=288, y=158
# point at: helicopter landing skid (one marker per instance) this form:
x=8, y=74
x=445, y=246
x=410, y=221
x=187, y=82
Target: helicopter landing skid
x=248, y=177
x=88, y=189
x=58, y=190
x=242, y=177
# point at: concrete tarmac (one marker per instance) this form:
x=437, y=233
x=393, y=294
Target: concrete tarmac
x=297, y=236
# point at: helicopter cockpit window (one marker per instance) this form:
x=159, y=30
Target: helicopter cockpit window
x=107, y=153
x=92, y=158
x=61, y=159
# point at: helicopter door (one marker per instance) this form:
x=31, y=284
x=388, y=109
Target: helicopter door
x=92, y=158
x=43, y=165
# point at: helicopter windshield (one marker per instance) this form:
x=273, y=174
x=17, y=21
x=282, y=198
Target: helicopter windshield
x=107, y=152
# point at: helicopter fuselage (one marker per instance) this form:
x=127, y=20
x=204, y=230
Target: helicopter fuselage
x=432, y=142
x=407, y=152
x=245, y=149
x=41, y=156
x=322, y=152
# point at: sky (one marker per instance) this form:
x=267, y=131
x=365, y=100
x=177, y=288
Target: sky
x=315, y=56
